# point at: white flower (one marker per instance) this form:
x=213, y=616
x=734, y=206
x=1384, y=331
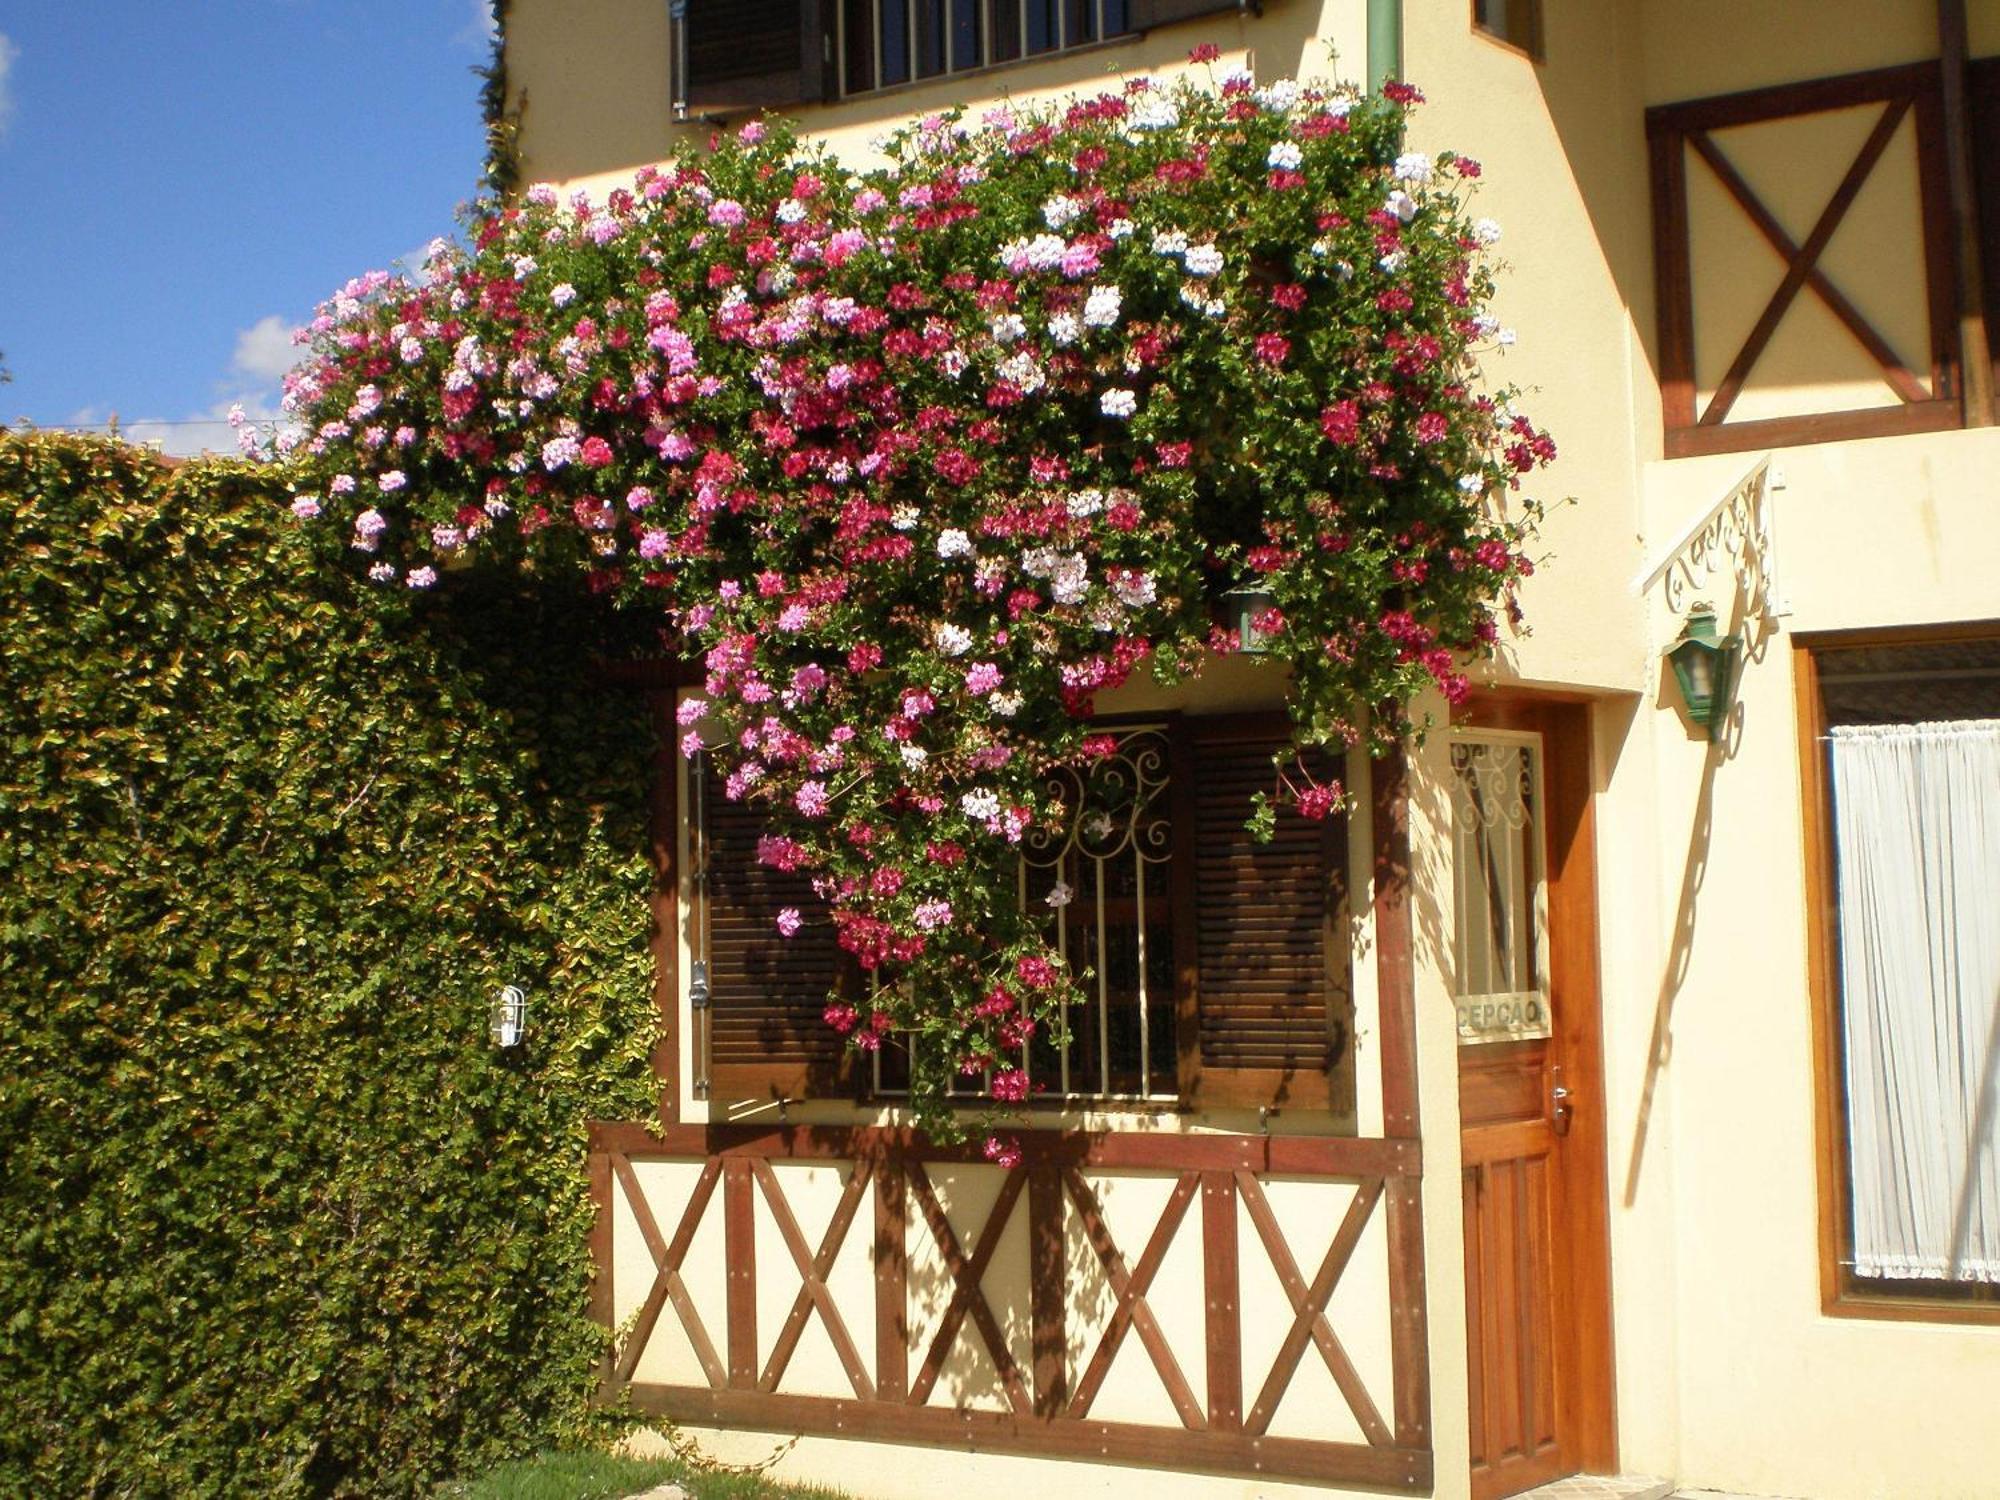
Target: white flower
x=1099, y=826
x=904, y=518
x=791, y=211
x=1238, y=77
x=411, y=350
x=1394, y=261
x=1102, y=306
x=421, y=578
x=562, y=294
x=1279, y=97
x=952, y=640
x=383, y=572
x=1119, y=229
x=1021, y=371
x=1203, y=260
x=1486, y=231
x=1005, y=705
x=1470, y=484
x=1155, y=112
x=982, y=805
x=1071, y=579
x=914, y=756
x=1401, y=204
x=1133, y=587
x=1060, y=895
x=1065, y=329
x=1085, y=503
x=1285, y=156
x=1118, y=402
x=953, y=363
x=1504, y=338
x=524, y=267
x=1042, y=253
x=1170, y=242
x=1413, y=166
x=1008, y=327
x=1060, y=211
x=954, y=543
x=1485, y=325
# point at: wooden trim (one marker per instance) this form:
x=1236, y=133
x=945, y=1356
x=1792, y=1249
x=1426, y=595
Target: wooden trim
x=1912, y=90
x=983, y=1430
x=663, y=812
x=1816, y=427
x=1222, y=1292
x=1840, y=1297
x=603, y=1297
x=1185, y=898
x=1807, y=258
x=813, y=1268
x=1755, y=106
x=739, y=1249
x=1048, y=1285
x=967, y=1296
x=1130, y=1289
x=892, y=1286
x=1900, y=377
x=1297, y=1155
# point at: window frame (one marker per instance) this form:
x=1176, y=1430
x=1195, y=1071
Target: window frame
x=1331, y=1089
x=1532, y=47
x=1842, y=1293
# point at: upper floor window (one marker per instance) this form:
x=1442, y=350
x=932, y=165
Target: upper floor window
x=734, y=56
x=1518, y=23
x=886, y=42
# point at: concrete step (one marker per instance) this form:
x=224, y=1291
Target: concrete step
x=1603, y=1487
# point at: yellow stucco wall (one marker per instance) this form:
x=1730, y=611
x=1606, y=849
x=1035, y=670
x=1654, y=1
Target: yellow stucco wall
x=1728, y=1375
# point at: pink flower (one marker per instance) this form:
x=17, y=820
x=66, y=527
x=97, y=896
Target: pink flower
x=811, y=799
x=1004, y=1154
x=596, y=453
x=982, y=678
x=931, y=915
x=1010, y=1085
x=789, y=921
x=726, y=212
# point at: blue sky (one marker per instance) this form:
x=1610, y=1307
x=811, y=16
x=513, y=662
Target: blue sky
x=182, y=180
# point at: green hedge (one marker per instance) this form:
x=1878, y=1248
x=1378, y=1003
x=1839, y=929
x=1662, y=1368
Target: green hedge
x=275, y=1217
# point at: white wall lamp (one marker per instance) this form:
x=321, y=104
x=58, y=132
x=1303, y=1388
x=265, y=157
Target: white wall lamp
x=510, y=1016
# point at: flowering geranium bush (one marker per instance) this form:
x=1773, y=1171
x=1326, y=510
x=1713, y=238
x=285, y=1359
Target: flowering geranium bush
x=917, y=462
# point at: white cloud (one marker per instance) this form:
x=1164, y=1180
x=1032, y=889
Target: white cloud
x=8, y=53
x=264, y=350
x=479, y=29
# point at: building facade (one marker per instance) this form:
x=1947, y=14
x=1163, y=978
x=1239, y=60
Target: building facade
x=1655, y=1123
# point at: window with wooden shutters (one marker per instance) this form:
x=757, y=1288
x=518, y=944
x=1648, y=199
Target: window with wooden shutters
x=1269, y=993
x=740, y=55
x=767, y=993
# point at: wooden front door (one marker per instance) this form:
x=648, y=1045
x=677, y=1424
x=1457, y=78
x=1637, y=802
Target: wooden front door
x=1530, y=1096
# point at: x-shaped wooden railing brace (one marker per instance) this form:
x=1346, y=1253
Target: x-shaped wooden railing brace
x=1802, y=266
x=667, y=1259
x=1309, y=1309
x=966, y=1296
x=1130, y=1290
x=813, y=1270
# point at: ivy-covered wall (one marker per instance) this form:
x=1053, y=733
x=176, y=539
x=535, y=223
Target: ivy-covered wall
x=275, y=1216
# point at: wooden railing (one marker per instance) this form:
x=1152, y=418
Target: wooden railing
x=1926, y=381
x=1045, y=1408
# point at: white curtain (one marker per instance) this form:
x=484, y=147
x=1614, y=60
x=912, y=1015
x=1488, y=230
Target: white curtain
x=1917, y=838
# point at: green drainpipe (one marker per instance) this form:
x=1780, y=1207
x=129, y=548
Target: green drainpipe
x=1385, y=42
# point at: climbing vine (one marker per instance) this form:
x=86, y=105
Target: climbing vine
x=918, y=461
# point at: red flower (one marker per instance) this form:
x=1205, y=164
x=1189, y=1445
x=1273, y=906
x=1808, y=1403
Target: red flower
x=1205, y=52
x=1273, y=348
x=1341, y=422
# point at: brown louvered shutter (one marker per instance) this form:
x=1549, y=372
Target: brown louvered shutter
x=744, y=55
x=1146, y=14
x=767, y=1035
x=1271, y=999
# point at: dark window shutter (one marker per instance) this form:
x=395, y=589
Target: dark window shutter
x=767, y=1035
x=1146, y=14
x=1271, y=996
x=1983, y=98
x=747, y=55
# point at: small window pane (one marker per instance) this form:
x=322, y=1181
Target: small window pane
x=1006, y=32
x=895, y=41
x=1117, y=17
x=930, y=38
x=1044, y=25
x=967, y=45
x=857, y=22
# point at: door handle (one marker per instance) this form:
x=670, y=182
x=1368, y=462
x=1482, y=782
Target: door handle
x=1560, y=1109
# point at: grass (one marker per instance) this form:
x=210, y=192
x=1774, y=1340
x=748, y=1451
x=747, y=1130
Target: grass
x=590, y=1475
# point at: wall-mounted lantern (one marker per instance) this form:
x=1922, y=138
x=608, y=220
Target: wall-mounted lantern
x=1705, y=670
x=1241, y=607
x=510, y=1016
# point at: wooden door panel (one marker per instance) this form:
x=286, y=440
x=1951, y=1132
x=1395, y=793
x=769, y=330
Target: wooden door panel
x=1535, y=1259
